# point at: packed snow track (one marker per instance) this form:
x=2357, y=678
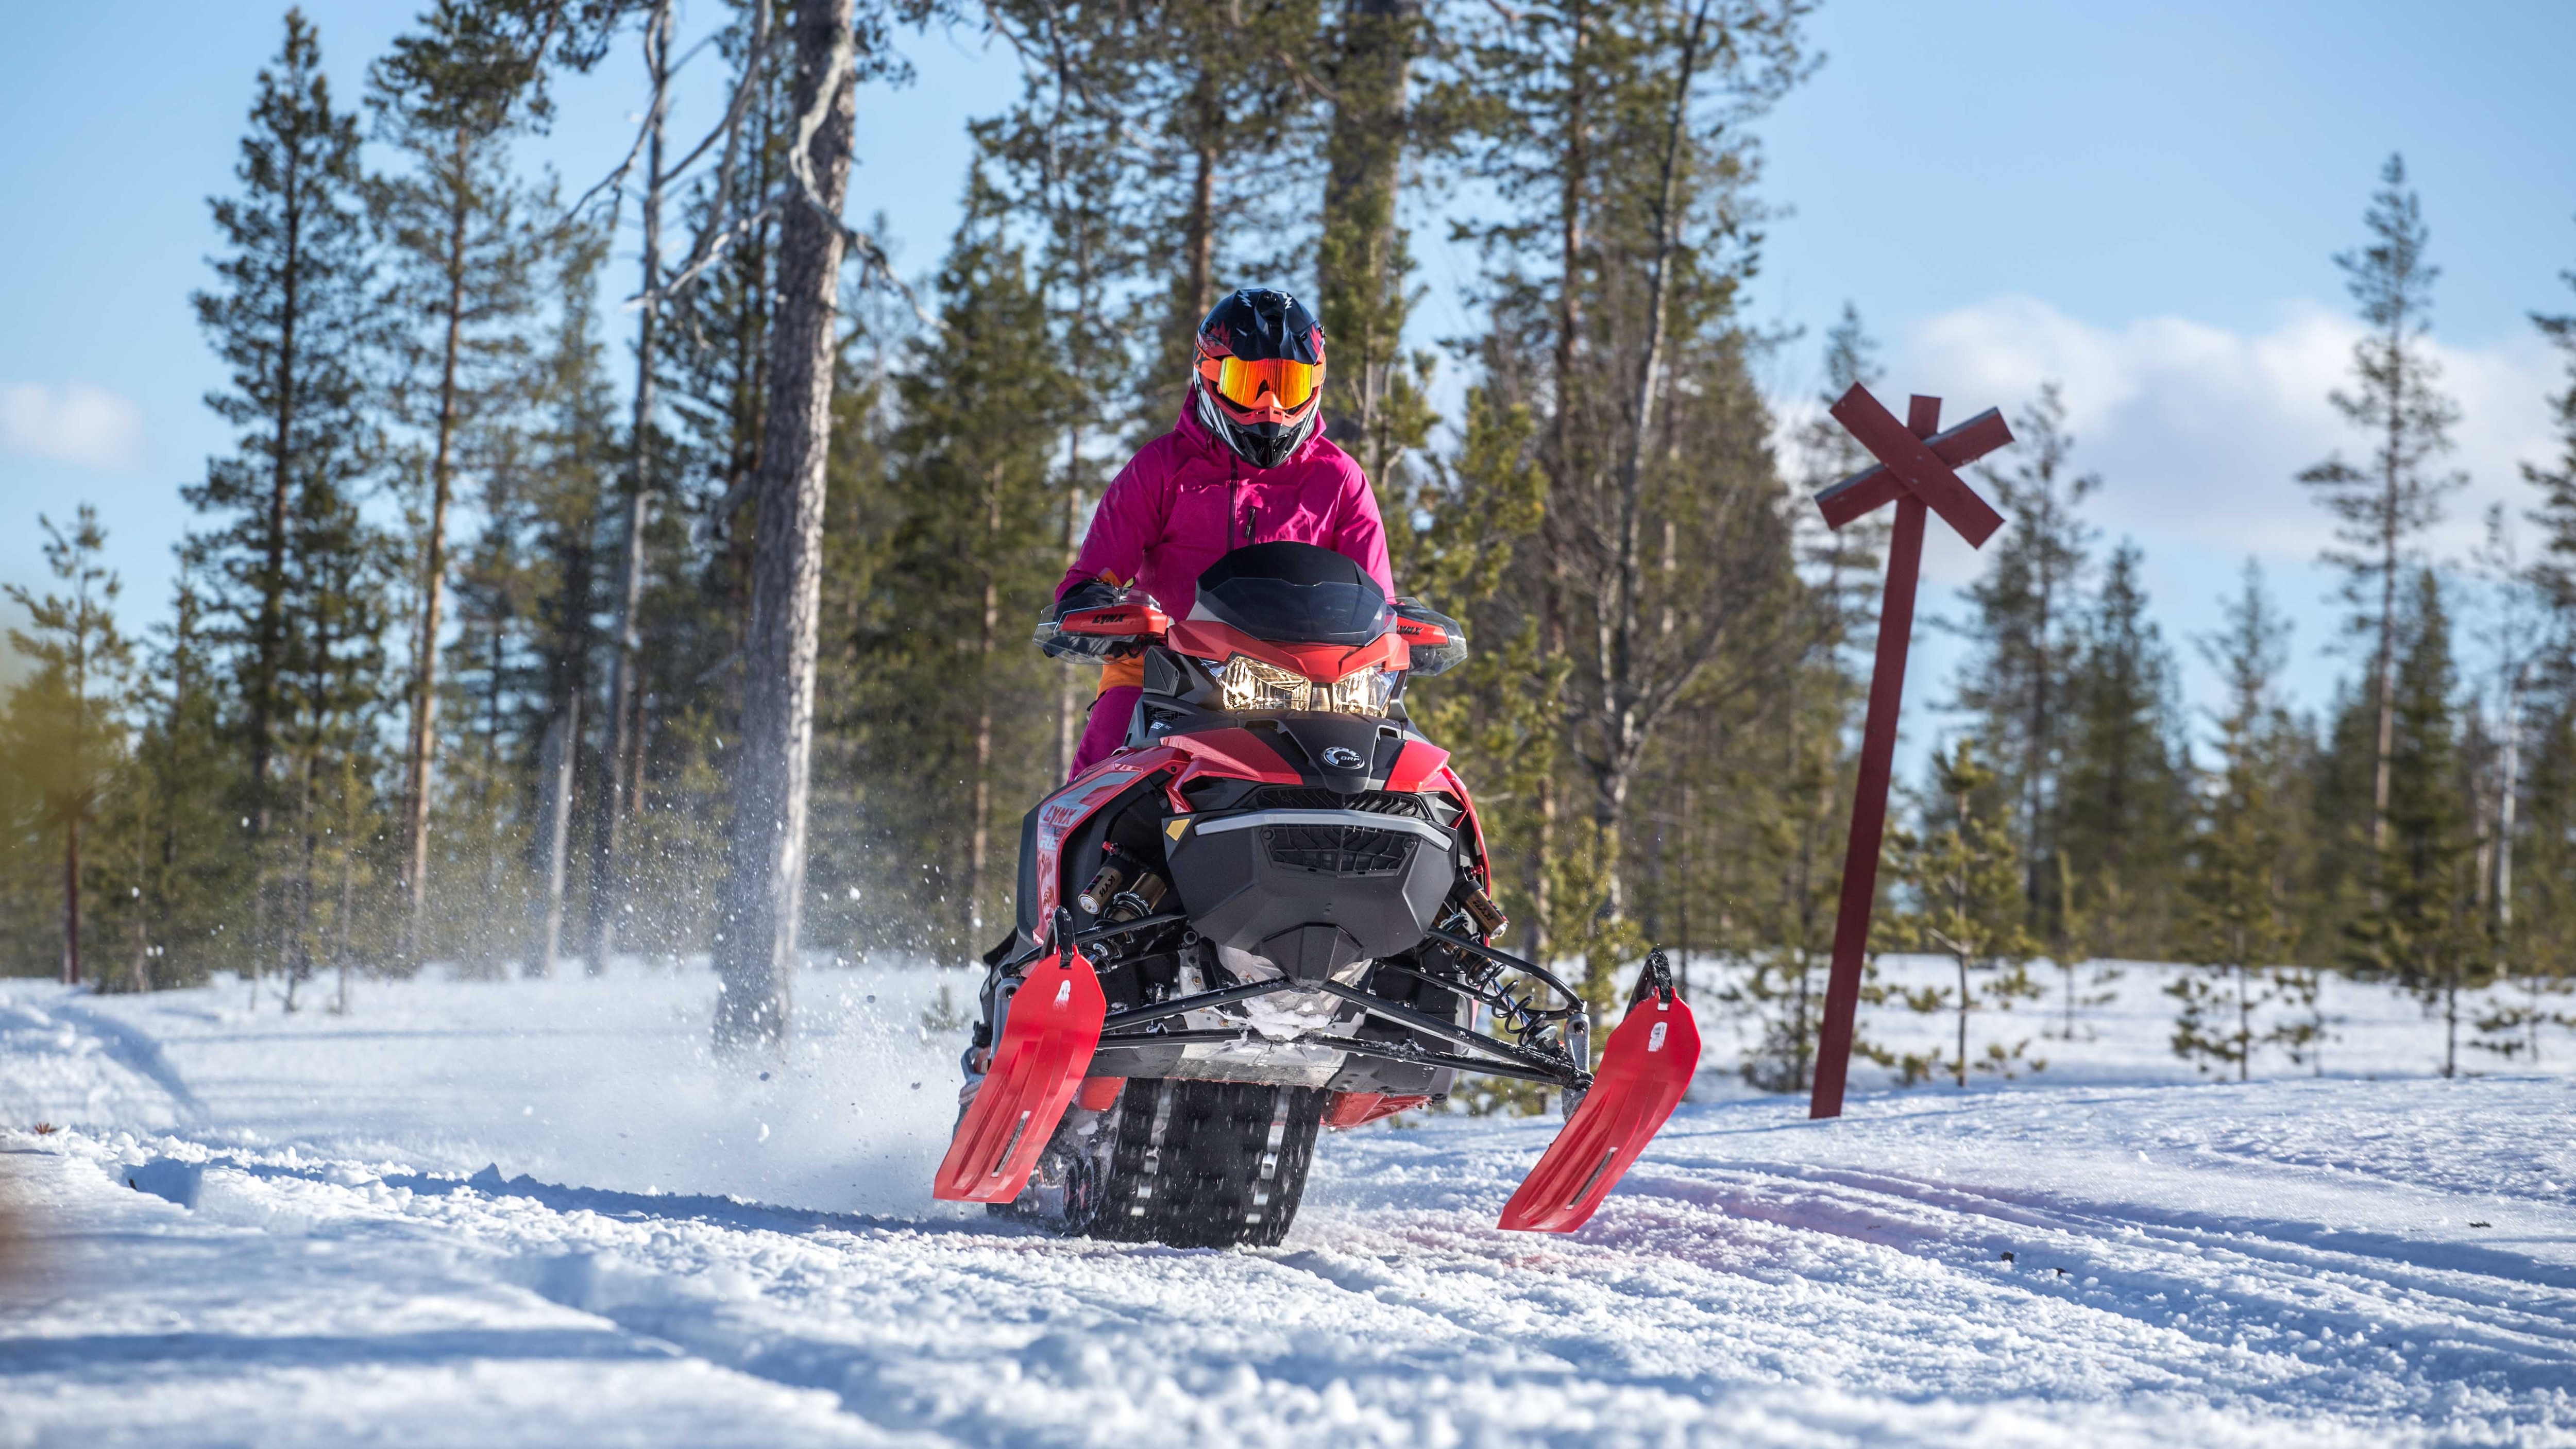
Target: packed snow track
x=253, y=1229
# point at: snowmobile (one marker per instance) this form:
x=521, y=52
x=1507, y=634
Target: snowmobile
x=1269, y=913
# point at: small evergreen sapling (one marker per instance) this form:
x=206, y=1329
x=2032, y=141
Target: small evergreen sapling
x=2237, y=929
x=1967, y=904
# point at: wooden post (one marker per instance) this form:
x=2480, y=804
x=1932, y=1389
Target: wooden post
x=1869, y=810
x=1914, y=473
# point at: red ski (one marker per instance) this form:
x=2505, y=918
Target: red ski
x=1644, y=1071
x=1047, y=1044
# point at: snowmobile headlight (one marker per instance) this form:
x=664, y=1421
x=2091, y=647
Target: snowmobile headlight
x=1248, y=685
x=1366, y=692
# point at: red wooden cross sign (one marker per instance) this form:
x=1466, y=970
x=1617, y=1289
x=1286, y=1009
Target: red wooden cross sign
x=1915, y=471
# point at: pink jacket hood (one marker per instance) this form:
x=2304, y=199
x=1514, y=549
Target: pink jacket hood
x=1185, y=499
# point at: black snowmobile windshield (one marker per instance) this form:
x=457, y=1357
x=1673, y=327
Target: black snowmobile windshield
x=1295, y=593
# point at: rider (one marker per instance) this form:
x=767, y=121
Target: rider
x=1247, y=463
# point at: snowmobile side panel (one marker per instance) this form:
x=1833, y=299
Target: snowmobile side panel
x=1418, y=767
x=1047, y=1043
x=1446, y=778
x=1645, y=1068
x=1099, y=1094
x=1064, y=812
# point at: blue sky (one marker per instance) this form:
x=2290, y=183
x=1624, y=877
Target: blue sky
x=2139, y=200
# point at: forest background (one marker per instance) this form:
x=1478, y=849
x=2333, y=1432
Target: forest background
x=1592, y=438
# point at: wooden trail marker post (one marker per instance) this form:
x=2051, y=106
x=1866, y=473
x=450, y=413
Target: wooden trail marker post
x=1915, y=471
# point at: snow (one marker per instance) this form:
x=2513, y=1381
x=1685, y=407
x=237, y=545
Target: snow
x=537, y=1213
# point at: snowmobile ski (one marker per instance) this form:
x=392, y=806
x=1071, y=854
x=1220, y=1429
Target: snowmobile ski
x=1645, y=1068
x=1048, y=1038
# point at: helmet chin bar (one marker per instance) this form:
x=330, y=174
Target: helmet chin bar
x=1261, y=445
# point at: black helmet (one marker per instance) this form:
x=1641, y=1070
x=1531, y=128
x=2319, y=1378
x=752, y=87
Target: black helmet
x=1260, y=377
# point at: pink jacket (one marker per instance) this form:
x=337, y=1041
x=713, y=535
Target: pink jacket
x=1185, y=499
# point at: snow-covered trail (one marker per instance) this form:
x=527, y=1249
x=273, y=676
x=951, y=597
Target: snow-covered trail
x=2335, y=1262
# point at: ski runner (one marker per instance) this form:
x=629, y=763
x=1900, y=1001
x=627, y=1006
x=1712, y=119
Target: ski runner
x=1247, y=462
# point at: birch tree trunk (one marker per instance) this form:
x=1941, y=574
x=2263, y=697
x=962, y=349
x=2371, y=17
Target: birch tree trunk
x=755, y=948
x=554, y=825
x=433, y=584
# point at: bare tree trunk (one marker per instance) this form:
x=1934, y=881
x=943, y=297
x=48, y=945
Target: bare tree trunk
x=272, y=584
x=608, y=815
x=71, y=897
x=755, y=950
x=2386, y=668
x=424, y=707
x=978, y=847
x=2507, y=789
x=1622, y=742
x=1198, y=241
x=1573, y=160
x=554, y=825
x=2392, y=483
x=1962, y=1064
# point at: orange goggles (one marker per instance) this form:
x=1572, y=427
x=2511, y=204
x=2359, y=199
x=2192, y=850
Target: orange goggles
x=1272, y=381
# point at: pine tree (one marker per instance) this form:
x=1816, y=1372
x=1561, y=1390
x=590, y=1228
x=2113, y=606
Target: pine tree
x=2420, y=928
x=2238, y=929
x=464, y=247
x=67, y=733
x=2383, y=503
x=292, y=320
x=1966, y=884
x=2025, y=634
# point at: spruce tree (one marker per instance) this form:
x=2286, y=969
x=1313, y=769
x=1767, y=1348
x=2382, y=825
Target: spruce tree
x=2382, y=504
x=2123, y=801
x=2541, y=895
x=178, y=847
x=2024, y=631
x=2419, y=929
x=335, y=689
x=952, y=711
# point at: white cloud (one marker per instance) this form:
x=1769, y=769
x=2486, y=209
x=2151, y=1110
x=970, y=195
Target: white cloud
x=2198, y=431
x=75, y=423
